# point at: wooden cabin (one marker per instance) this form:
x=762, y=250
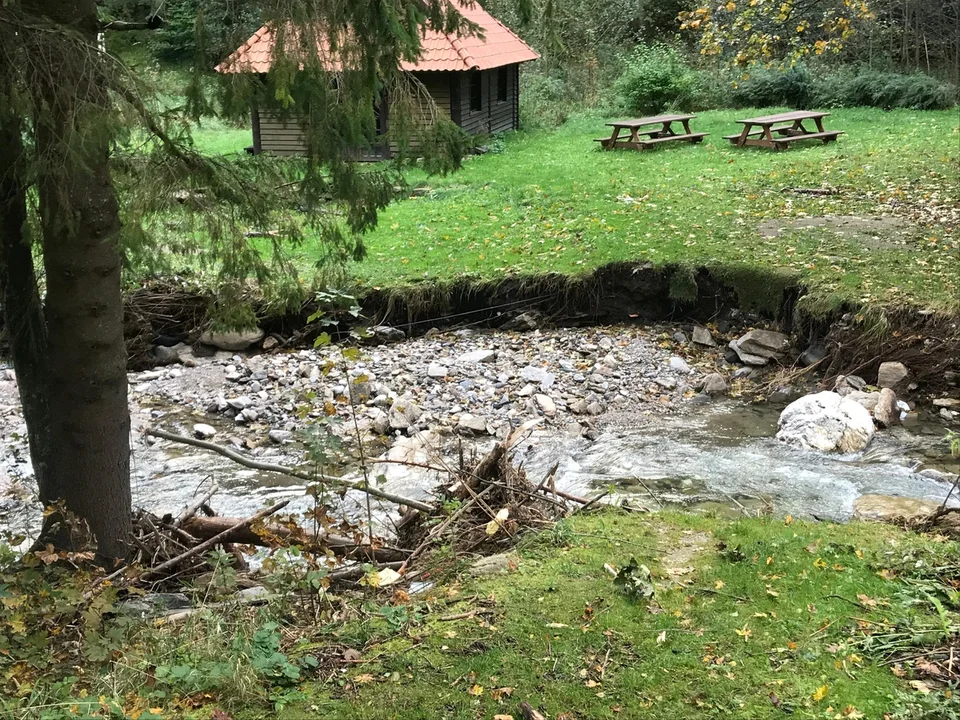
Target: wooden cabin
x=473, y=80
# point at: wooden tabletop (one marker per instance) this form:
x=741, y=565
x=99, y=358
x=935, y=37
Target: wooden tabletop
x=655, y=120
x=784, y=117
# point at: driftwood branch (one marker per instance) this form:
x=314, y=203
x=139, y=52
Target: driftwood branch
x=194, y=507
x=212, y=542
x=231, y=530
x=289, y=471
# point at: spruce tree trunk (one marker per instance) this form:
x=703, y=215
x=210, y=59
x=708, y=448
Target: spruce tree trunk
x=86, y=357
x=22, y=310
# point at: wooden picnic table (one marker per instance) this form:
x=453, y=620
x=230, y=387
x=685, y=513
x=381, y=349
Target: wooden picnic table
x=651, y=137
x=778, y=131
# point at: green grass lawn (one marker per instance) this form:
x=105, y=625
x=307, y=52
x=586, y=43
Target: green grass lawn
x=756, y=618
x=552, y=201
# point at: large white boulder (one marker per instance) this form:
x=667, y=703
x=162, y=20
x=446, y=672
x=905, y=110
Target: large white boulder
x=827, y=422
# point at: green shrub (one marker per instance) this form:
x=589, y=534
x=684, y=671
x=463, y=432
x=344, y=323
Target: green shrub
x=871, y=88
x=655, y=78
x=542, y=101
x=768, y=88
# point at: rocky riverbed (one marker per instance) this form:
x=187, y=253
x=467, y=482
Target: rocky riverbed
x=612, y=402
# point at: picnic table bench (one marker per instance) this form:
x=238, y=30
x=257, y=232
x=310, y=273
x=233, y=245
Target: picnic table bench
x=778, y=131
x=650, y=137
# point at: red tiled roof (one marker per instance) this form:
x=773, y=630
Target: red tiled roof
x=499, y=46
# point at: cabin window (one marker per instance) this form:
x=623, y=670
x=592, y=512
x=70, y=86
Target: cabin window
x=476, y=92
x=502, y=75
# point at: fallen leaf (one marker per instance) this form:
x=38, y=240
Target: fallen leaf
x=363, y=679
x=476, y=690
x=851, y=712
x=503, y=717
x=820, y=693
x=718, y=584
x=888, y=574
x=920, y=686
x=744, y=632
x=501, y=517
x=866, y=601
x=556, y=625
x=662, y=637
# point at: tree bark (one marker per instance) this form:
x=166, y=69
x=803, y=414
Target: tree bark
x=19, y=294
x=89, y=418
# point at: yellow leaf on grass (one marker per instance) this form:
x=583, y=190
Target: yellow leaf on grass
x=819, y=563
x=363, y=679
x=920, y=686
x=718, y=584
x=744, y=632
x=820, y=693
x=476, y=690
x=503, y=717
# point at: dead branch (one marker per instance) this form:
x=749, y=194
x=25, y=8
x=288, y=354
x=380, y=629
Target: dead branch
x=291, y=472
x=212, y=542
x=194, y=507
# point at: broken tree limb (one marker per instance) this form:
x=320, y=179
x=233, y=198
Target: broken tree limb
x=212, y=542
x=291, y=472
x=565, y=495
x=231, y=530
x=194, y=507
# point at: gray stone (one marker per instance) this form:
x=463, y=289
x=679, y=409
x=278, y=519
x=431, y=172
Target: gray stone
x=763, y=343
x=546, y=405
x=594, y=408
x=680, y=338
x=527, y=390
x=524, y=321
x=827, y=422
x=935, y=474
x=254, y=595
x=403, y=414
x=668, y=383
x=892, y=509
x=679, y=364
x=163, y=355
x=745, y=357
x=239, y=403
x=471, y=425
x=437, y=371
x=478, y=356
x=951, y=403
x=281, y=437
x=948, y=414
x=233, y=340
x=886, y=413
x=204, y=431
x=154, y=605
x=715, y=384
x=892, y=375
x=379, y=421
x=702, y=336
x=495, y=565
x=867, y=399
x=270, y=343
x=815, y=353
x=535, y=374
x=385, y=333
x=578, y=407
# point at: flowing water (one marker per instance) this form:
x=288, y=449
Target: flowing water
x=719, y=457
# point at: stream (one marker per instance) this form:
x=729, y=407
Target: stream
x=678, y=451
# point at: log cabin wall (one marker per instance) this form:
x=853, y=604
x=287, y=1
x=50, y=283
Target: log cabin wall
x=491, y=106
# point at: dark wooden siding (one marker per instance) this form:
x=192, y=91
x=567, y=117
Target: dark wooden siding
x=494, y=115
x=451, y=94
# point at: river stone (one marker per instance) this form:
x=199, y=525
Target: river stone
x=478, y=356
x=951, y=403
x=531, y=373
x=886, y=413
x=385, y=333
x=579, y=406
x=715, y=384
x=164, y=355
x=204, y=431
x=233, y=340
x=745, y=357
x=892, y=509
x=827, y=422
x=281, y=437
x=403, y=414
x=702, y=336
x=437, y=371
x=763, y=343
x=892, y=375
x=546, y=405
x=379, y=421
x=867, y=399
x=495, y=565
x=948, y=414
x=679, y=364
x=815, y=352
x=269, y=343
x=471, y=425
